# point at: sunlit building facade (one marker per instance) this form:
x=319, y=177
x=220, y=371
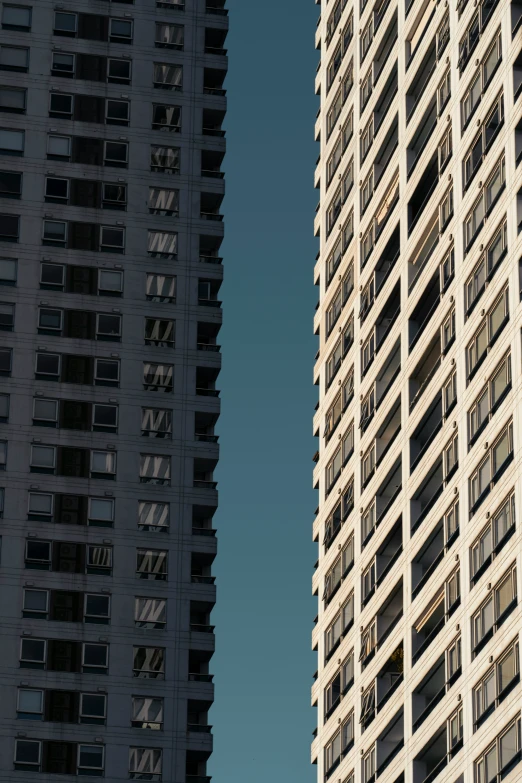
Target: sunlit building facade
x=419, y=364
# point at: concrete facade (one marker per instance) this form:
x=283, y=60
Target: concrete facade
x=109, y=277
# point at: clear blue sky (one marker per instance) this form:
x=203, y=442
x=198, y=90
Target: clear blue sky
x=263, y=665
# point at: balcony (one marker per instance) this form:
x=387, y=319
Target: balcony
x=385, y=558
x=423, y=192
x=215, y=38
x=422, y=136
x=377, y=632
x=424, y=310
x=382, y=271
x=211, y=165
x=426, y=495
x=419, y=83
x=431, y=690
x=209, y=249
x=438, y=752
x=423, y=251
x=383, y=500
x=200, y=618
x=435, y=615
x=430, y=555
x=382, y=443
x=213, y=79
x=426, y=431
x=206, y=381
x=382, y=688
x=425, y=370
x=206, y=336
x=212, y=123
x=203, y=473
x=388, y=745
x=210, y=206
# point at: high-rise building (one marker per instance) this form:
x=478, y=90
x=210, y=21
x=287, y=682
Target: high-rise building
x=111, y=145
x=419, y=413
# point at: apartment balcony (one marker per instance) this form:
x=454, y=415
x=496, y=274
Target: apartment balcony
x=439, y=751
x=380, y=628
x=383, y=500
x=209, y=249
x=201, y=568
x=212, y=124
x=425, y=370
x=382, y=105
x=215, y=38
x=386, y=683
x=432, y=553
x=206, y=336
x=381, y=329
x=384, y=381
x=206, y=378
x=427, y=495
x=380, y=446
x=382, y=563
x=204, y=473
x=200, y=620
x=211, y=162
x=198, y=668
x=435, y=615
x=423, y=251
x=379, y=166
x=216, y=7
x=427, y=430
x=424, y=311
x=213, y=79
x=422, y=136
x=431, y=690
x=385, y=749
x=210, y=206
x=383, y=268
x=423, y=192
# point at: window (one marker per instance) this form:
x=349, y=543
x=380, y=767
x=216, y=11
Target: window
x=454, y=660
x=120, y=30
x=497, y=759
x=95, y=658
x=479, y=146
x=45, y=412
x=98, y=560
x=166, y=118
x=169, y=36
x=165, y=159
x=33, y=653
x=30, y=704
x=149, y=662
x=106, y=372
x=444, y=150
x=446, y=210
x=156, y=423
x=27, y=755
x=103, y=464
x=449, y=394
x=65, y=23
x=153, y=516
x=35, y=603
x=333, y=363
x=492, y=538
x=367, y=38
x=367, y=353
x=452, y=586
x=443, y=92
x=154, y=469
x=368, y=464
x=43, y=458
x=368, y=641
x=14, y=58
x=368, y=765
x=338, y=570
x=9, y=228
x=117, y=112
x=485, y=202
x=368, y=521
x=63, y=64
x=97, y=608
x=101, y=512
x=145, y=763
x=490, y=616
x=150, y=613
x=334, y=113
x=489, y=398
x=4, y=408
x=367, y=191
x=333, y=470
x=11, y=141
x=108, y=327
x=489, y=469
x=158, y=377
x=12, y=100
x=8, y=271
x=159, y=332
x=451, y=457
x=110, y=283
x=59, y=147
x=90, y=759
x=112, y=239
x=480, y=80
x=454, y=731
x=118, y=71
x=483, y=339
x=367, y=409
x=93, y=708
x=160, y=288
x=7, y=312
x=147, y=712
x=168, y=77
x=484, y=270
x=367, y=138
x=61, y=105
x=6, y=357
x=16, y=17
x=151, y=564
x=116, y=153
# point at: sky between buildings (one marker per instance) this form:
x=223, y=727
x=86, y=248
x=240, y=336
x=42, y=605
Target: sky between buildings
x=263, y=666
